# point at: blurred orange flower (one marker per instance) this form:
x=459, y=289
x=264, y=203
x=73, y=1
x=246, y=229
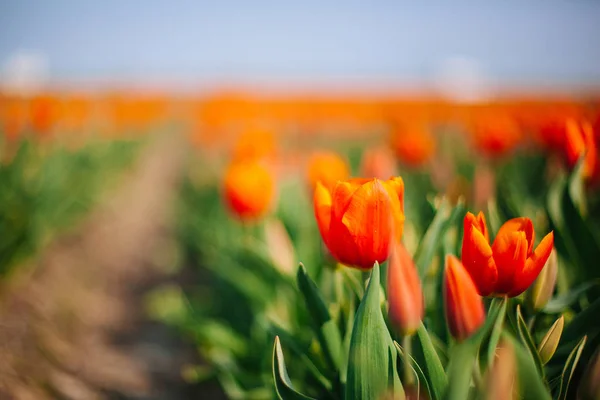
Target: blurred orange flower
x=327, y=168
x=579, y=141
x=255, y=144
x=463, y=305
x=360, y=219
x=405, y=295
x=378, y=162
x=414, y=144
x=249, y=188
x=496, y=134
x=510, y=265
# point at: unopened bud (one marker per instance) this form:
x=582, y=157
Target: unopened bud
x=542, y=289
x=550, y=341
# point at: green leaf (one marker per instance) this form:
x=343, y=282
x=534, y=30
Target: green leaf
x=569, y=368
x=531, y=385
x=528, y=341
x=427, y=248
x=327, y=330
x=585, y=323
x=372, y=370
x=464, y=355
x=433, y=366
x=283, y=385
x=559, y=303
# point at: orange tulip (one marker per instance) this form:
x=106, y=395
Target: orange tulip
x=249, y=189
x=579, y=141
x=496, y=135
x=463, y=305
x=378, y=163
x=405, y=296
x=414, y=145
x=510, y=265
x=360, y=219
x=255, y=145
x=327, y=168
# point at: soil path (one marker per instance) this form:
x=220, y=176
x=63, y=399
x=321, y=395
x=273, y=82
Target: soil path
x=74, y=328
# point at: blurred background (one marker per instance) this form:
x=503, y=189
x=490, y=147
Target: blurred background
x=117, y=121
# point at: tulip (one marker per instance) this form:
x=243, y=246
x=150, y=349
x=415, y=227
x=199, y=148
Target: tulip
x=360, y=219
x=496, y=135
x=249, y=189
x=579, y=142
x=414, y=145
x=327, y=168
x=378, y=163
x=255, y=144
x=510, y=265
x=463, y=305
x=541, y=291
x=405, y=296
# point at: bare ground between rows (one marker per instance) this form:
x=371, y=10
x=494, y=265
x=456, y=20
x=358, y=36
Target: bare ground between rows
x=73, y=327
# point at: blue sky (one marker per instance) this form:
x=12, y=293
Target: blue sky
x=513, y=41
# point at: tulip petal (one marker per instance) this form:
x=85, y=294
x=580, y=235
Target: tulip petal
x=369, y=223
x=533, y=266
x=478, y=260
x=510, y=254
x=519, y=224
x=395, y=189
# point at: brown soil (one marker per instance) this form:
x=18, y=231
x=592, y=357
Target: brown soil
x=73, y=325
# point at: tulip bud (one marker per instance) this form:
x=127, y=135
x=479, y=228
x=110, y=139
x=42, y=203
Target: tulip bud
x=589, y=388
x=542, y=289
x=463, y=305
x=404, y=291
x=550, y=341
x=501, y=377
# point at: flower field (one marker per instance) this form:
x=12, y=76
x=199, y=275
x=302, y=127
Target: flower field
x=342, y=247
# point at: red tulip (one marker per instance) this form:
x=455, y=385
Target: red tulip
x=249, y=189
x=360, y=219
x=510, y=265
x=463, y=305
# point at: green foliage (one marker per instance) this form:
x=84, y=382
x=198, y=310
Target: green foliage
x=45, y=189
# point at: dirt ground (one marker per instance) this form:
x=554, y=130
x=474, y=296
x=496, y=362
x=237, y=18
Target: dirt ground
x=73, y=326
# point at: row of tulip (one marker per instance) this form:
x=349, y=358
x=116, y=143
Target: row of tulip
x=402, y=292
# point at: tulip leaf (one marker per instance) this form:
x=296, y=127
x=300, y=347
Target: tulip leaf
x=558, y=304
x=372, y=370
x=442, y=220
x=299, y=349
x=418, y=372
x=283, y=385
x=431, y=363
x=531, y=385
x=464, y=355
x=528, y=340
x=569, y=368
x=326, y=329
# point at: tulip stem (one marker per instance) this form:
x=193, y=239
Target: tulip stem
x=358, y=288
x=406, y=345
x=477, y=378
